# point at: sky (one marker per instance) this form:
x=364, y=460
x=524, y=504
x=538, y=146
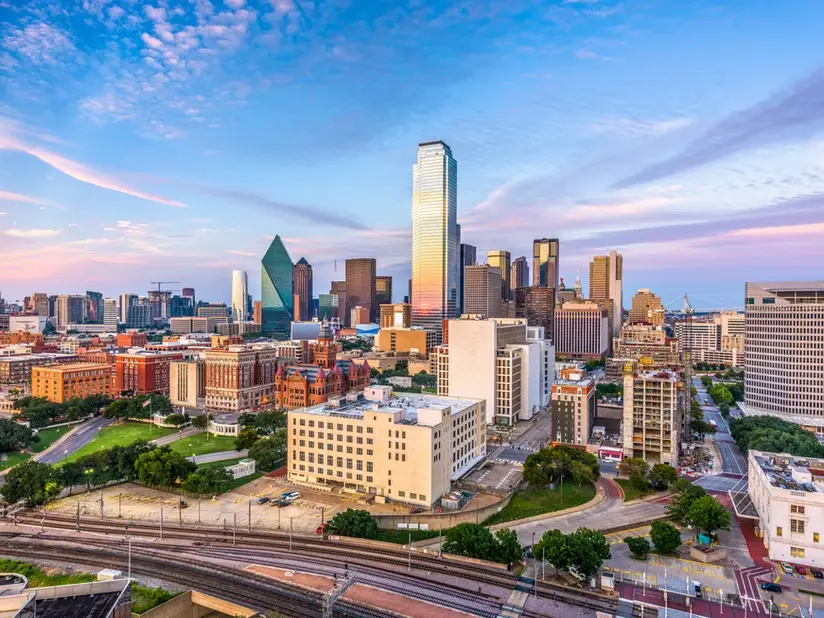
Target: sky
x=144, y=141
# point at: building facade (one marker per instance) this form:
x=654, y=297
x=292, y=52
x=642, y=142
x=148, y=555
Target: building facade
x=398, y=315
x=383, y=290
x=646, y=309
x=276, y=288
x=482, y=291
x=467, y=256
x=432, y=441
x=502, y=260
x=573, y=407
x=518, y=275
x=302, y=290
x=143, y=372
x=606, y=274
x=240, y=295
x=414, y=341
x=537, y=306
x=70, y=309
x=581, y=330
x=545, y=267
x=110, y=313
x=59, y=383
x=187, y=383
x=360, y=288
x=240, y=377
x=16, y=368
x=434, y=235
x=652, y=415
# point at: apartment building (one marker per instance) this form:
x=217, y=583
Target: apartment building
x=408, y=449
x=581, y=330
x=716, y=339
x=573, y=407
x=652, y=415
x=642, y=341
x=240, y=377
x=59, y=383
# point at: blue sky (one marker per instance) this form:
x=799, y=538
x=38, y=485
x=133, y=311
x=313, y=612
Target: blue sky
x=173, y=140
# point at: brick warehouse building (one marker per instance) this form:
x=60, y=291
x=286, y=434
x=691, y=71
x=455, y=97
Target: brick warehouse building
x=144, y=371
x=298, y=386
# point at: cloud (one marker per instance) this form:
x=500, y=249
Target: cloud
x=80, y=172
x=638, y=127
x=236, y=4
x=151, y=41
x=796, y=113
x=32, y=233
x=40, y=43
x=3, y=214
x=243, y=253
x=23, y=199
x=585, y=54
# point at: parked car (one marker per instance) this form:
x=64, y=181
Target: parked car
x=416, y=510
x=262, y=500
x=290, y=496
x=801, y=570
x=817, y=573
x=771, y=587
x=788, y=569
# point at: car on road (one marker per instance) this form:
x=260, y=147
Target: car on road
x=817, y=573
x=801, y=570
x=771, y=587
x=787, y=568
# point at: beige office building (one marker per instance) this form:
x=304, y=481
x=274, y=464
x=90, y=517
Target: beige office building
x=646, y=309
x=482, y=291
x=502, y=261
x=398, y=315
x=606, y=284
x=408, y=449
x=652, y=415
x=187, y=383
x=414, y=341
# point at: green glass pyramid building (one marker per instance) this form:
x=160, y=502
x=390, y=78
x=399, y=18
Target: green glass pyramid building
x=276, y=288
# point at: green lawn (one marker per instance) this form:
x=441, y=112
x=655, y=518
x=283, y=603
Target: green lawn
x=630, y=492
x=530, y=502
x=14, y=458
x=122, y=434
x=37, y=578
x=49, y=436
x=144, y=599
x=401, y=537
x=199, y=444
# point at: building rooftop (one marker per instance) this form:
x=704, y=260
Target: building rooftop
x=658, y=374
x=37, y=356
x=408, y=405
x=789, y=472
x=577, y=383
x=77, y=366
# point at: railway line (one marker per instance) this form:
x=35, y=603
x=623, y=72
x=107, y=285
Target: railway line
x=389, y=565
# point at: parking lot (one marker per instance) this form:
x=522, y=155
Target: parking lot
x=500, y=476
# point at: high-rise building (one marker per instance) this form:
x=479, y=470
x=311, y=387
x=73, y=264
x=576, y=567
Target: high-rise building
x=545, y=267
x=518, y=275
x=482, y=291
x=276, y=288
x=581, y=330
x=383, y=290
x=126, y=301
x=502, y=261
x=434, y=235
x=240, y=291
x=646, y=309
x=140, y=315
x=784, y=344
x=110, y=312
x=70, y=309
x=94, y=307
x=160, y=301
x=606, y=284
x=302, y=290
x=181, y=307
x=573, y=407
x=652, y=415
x=212, y=310
x=338, y=288
x=327, y=307
x=40, y=304
x=537, y=305
x=398, y=315
x=190, y=294
x=257, y=310
x=360, y=287
x=468, y=256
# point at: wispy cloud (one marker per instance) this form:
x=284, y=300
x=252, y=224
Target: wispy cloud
x=243, y=253
x=32, y=233
x=10, y=196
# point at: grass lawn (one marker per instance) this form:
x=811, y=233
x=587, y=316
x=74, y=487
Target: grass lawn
x=144, y=599
x=630, y=492
x=198, y=444
x=401, y=537
x=50, y=436
x=38, y=578
x=122, y=434
x=14, y=458
x=530, y=502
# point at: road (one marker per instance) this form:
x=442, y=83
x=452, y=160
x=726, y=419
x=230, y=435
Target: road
x=732, y=461
x=537, y=435
x=77, y=440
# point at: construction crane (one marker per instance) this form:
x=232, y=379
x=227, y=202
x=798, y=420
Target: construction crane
x=159, y=283
x=687, y=348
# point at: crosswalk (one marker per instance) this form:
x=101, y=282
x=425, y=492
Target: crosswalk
x=748, y=585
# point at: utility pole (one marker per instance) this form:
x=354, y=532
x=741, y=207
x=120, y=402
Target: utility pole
x=161, y=523
x=290, y=534
x=409, y=567
x=250, y=515
x=234, y=531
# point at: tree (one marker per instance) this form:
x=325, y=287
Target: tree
x=355, y=523
x=587, y=551
x=246, y=438
x=640, y=483
x=70, y=474
x=662, y=475
x=634, y=466
x=34, y=482
x=638, y=546
x=14, y=436
x=162, y=466
x=212, y=480
x=724, y=408
x=509, y=548
x=581, y=473
x=201, y=421
x=473, y=540
x=665, y=536
x=766, y=433
x=117, y=409
x=176, y=419
x=553, y=546
x=555, y=463
x=269, y=453
x=268, y=423
x=709, y=515
x=702, y=427
x=681, y=503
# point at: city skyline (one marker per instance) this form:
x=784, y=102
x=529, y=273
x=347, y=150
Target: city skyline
x=122, y=170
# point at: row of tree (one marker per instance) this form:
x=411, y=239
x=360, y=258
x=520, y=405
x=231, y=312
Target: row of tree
x=557, y=463
x=664, y=536
x=767, y=433
x=584, y=550
x=643, y=478
x=138, y=406
x=40, y=412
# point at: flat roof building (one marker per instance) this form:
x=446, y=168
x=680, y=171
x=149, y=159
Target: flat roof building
x=16, y=368
x=144, y=371
x=573, y=407
x=652, y=415
x=59, y=383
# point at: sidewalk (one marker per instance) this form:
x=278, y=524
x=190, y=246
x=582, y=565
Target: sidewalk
x=179, y=435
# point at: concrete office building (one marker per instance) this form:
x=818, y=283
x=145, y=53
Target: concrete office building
x=482, y=291
x=70, y=309
x=240, y=377
x=184, y=326
x=433, y=441
x=383, y=290
x=27, y=323
x=502, y=261
x=652, y=423
x=468, y=255
x=40, y=304
x=581, y=330
x=360, y=289
x=518, y=275
x=398, y=315
x=503, y=361
x=187, y=383
x=646, y=309
x=573, y=407
x=537, y=306
x=784, y=344
x=435, y=244
x=126, y=302
x=606, y=284
x=110, y=313
x=414, y=341
x=545, y=267
x=240, y=295
x=302, y=290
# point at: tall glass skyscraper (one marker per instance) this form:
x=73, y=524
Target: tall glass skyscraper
x=434, y=235
x=276, y=288
x=545, y=272
x=240, y=296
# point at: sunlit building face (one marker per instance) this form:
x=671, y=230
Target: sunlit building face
x=434, y=235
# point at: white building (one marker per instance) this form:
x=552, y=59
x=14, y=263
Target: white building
x=503, y=361
x=240, y=296
x=716, y=339
x=224, y=425
x=788, y=495
x=110, y=314
x=784, y=344
x=27, y=323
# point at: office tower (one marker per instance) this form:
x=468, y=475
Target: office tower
x=573, y=407
x=327, y=307
x=537, y=305
x=482, y=291
x=434, y=235
x=468, y=255
x=126, y=301
x=578, y=288
x=784, y=344
x=240, y=291
x=2, y=304
x=398, y=315
x=189, y=293
x=94, y=307
x=160, y=301
x=257, y=312
x=383, y=290
x=545, y=269
x=606, y=283
x=302, y=290
x=276, y=288
x=181, y=307
x=501, y=261
x=518, y=275
x=70, y=309
x=40, y=304
x=110, y=312
x=646, y=309
x=652, y=415
x=360, y=286
x=409, y=291
x=581, y=330
x=358, y=315
x=212, y=310
x=338, y=288
x=503, y=361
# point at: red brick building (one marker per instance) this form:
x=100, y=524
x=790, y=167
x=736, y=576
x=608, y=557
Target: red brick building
x=298, y=386
x=132, y=339
x=143, y=372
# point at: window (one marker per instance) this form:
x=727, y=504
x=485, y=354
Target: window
x=815, y=537
x=369, y=430
x=422, y=497
x=797, y=552
x=349, y=428
x=369, y=469
x=402, y=494
x=797, y=525
x=349, y=464
x=779, y=531
x=369, y=452
x=413, y=496
x=796, y=509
